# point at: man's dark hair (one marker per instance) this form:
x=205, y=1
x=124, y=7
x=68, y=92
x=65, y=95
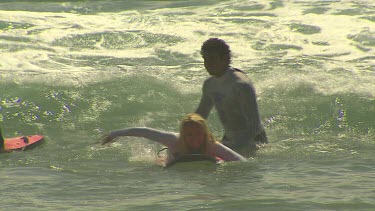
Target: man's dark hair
x=216, y=45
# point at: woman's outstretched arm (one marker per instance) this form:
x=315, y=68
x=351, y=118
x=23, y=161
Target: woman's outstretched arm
x=168, y=139
x=226, y=153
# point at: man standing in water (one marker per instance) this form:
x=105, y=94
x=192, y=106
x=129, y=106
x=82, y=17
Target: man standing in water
x=233, y=95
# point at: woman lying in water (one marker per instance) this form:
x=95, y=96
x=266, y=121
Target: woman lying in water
x=194, y=138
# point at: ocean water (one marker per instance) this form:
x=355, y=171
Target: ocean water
x=74, y=70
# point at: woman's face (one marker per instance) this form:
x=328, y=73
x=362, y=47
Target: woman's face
x=194, y=135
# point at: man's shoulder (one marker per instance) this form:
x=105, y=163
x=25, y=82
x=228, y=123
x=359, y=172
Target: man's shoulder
x=240, y=76
x=241, y=80
x=236, y=70
x=239, y=73
x=208, y=80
